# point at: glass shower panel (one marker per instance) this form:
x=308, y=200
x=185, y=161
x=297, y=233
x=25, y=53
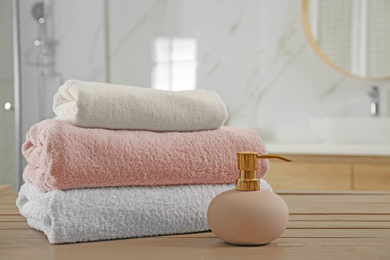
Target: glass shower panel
x=52, y=48
x=7, y=114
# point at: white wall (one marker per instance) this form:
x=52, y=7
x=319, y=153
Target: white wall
x=254, y=53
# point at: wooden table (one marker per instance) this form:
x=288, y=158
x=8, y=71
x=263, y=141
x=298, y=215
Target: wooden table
x=323, y=225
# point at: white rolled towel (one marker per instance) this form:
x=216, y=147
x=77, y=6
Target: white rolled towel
x=104, y=105
x=82, y=215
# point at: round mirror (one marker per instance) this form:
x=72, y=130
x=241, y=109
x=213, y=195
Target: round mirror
x=353, y=36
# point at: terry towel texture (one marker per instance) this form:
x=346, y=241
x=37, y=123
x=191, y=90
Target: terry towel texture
x=104, y=105
x=63, y=156
x=123, y=212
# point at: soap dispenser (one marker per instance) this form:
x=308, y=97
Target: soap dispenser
x=248, y=215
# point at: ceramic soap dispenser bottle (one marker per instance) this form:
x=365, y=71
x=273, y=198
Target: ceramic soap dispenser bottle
x=248, y=215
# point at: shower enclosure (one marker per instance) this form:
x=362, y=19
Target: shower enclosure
x=7, y=134
x=12, y=162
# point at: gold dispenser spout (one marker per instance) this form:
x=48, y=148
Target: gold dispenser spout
x=247, y=164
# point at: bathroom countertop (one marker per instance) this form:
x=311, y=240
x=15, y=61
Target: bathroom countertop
x=328, y=149
x=325, y=225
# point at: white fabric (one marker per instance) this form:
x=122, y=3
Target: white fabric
x=109, y=213
x=104, y=105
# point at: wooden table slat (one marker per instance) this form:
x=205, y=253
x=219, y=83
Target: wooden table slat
x=14, y=225
x=338, y=204
x=4, y=189
x=340, y=217
x=10, y=211
x=18, y=218
x=332, y=193
x=339, y=224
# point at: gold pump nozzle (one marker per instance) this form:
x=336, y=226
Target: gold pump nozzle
x=247, y=164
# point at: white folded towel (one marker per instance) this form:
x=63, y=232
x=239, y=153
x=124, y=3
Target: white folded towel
x=81, y=215
x=103, y=105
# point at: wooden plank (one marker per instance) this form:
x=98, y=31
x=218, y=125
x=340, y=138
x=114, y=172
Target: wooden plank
x=4, y=204
x=8, y=200
x=313, y=233
x=4, y=189
x=339, y=224
x=8, y=206
x=32, y=234
x=327, y=217
x=12, y=218
x=11, y=193
x=23, y=243
x=337, y=233
x=9, y=196
x=338, y=204
x=351, y=192
x=21, y=234
x=10, y=211
x=205, y=248
x=14, y=225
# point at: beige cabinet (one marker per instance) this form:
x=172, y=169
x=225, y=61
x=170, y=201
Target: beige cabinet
x=325, y=172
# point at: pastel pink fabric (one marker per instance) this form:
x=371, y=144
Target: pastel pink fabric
x=63, y=156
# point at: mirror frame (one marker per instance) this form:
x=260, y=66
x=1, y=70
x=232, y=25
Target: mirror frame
x=318, y=50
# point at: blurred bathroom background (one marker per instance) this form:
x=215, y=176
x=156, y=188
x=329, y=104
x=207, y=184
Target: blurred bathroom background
x=254, y=53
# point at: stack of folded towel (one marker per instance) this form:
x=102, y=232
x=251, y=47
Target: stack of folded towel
x=121, y=162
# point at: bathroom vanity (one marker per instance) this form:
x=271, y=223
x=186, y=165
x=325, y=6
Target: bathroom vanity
x=330, y=167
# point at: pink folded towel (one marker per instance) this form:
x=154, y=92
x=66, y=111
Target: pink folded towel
x=63, y=156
